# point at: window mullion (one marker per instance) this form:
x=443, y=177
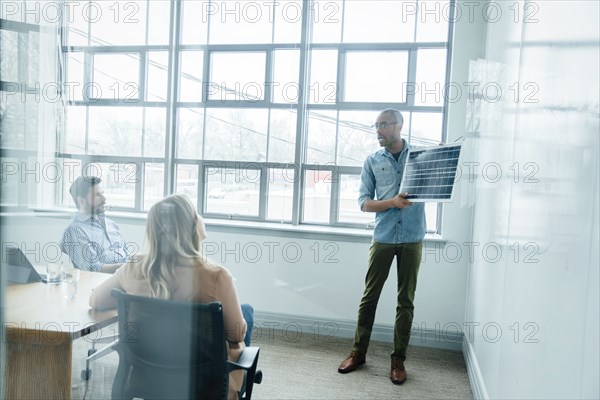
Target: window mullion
x=334, y=201
x=88, y=76
x=172, y=94
x=139, y=184
x=143, y=76
x=87, y=79
x=268, y=85
x=412, y=80
x=304, y=83
x=263, y=192
x=341, y=73
x=412, y=77
x=205, y=77
x=201, y=188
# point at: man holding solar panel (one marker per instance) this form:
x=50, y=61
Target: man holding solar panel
x=399, y=231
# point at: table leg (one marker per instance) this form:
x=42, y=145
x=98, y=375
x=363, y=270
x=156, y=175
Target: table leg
x=38, y=364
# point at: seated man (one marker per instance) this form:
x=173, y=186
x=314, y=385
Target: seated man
x=92, y=241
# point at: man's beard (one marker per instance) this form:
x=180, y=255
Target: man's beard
x=95, y=210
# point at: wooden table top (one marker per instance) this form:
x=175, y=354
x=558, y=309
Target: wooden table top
x=41, y=307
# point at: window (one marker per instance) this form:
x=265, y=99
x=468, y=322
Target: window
x=257, y=110
x=29, y=109
x=19, y=66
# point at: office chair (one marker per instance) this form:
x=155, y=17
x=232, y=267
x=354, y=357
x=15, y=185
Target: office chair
x=94, y=353
x=170, y=349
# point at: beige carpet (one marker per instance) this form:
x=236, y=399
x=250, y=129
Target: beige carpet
x=305, y=367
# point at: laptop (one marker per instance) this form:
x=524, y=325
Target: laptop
x=18, y=268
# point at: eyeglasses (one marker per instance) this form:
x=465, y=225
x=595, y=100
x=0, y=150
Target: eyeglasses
x=382, y=125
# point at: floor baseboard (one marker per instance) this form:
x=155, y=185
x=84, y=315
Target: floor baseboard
x=292, y=326
x=475, y=376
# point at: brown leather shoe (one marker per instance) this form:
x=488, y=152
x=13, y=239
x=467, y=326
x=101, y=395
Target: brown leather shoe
x=398, y=372
x=351, y=362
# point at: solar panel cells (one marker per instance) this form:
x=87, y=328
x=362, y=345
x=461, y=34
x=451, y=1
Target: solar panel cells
x=429, y=174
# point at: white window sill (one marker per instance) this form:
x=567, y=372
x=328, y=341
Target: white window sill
x=254, y=227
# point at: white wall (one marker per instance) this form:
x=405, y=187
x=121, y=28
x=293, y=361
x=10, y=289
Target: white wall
x=295, y=277
x=541, y=303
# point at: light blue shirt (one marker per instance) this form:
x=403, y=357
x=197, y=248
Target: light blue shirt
x=90, y=242
x=380, y=179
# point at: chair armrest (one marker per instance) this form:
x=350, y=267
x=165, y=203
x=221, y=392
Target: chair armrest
x=247, y=359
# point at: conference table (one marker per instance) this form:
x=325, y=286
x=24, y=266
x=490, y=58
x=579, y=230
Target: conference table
x=41, y=326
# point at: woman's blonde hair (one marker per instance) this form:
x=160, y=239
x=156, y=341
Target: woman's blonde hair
x=174, y=231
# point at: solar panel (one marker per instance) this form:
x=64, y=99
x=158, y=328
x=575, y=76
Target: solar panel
x=429, y=173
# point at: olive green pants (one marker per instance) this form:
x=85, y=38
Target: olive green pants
x=408, y=259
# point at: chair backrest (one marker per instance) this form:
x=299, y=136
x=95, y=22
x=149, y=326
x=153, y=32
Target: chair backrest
x=170, y=349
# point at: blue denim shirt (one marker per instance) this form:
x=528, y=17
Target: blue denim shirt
x=380, y=179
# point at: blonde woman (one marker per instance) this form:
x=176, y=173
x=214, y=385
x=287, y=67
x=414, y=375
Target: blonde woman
x=173, y=268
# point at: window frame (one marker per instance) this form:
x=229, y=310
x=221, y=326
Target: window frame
x=302, y=107
x=22, y=155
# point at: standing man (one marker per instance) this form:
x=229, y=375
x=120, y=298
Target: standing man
x=92, y=241
x=399, y=232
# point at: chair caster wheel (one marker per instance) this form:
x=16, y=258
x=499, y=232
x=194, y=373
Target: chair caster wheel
x=86, y=374
x=258, y=377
